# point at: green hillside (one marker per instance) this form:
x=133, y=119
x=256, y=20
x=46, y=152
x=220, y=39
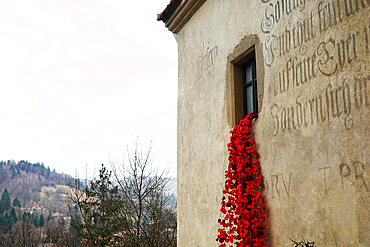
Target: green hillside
x=34, y=184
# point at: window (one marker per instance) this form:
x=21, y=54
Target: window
x=250, y=103
x=245, y=79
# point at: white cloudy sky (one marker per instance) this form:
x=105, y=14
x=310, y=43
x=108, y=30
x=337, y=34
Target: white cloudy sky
x=81, y=79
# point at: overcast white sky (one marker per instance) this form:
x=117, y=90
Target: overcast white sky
x=81, y=79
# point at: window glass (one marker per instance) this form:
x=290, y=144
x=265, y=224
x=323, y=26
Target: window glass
x=249, y=73
x=249, y=99
x=249, y=87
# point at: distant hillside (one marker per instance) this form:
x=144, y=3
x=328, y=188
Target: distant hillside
x=35, y=184
x=30, y=182
x=172, y=186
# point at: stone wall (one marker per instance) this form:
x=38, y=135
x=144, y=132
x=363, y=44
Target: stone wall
x=312, y=132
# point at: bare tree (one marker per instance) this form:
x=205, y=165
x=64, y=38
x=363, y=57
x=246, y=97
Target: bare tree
x=56, y=232
x=23, y=233
x=149, y=219
x=128, y=208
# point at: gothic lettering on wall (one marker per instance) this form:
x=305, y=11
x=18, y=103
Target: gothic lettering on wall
x=207, y=59
x=347, y=177
x=297, y=34
x=280, y=186
x=356, y=171
x=277, y=11
x=304, y=59
x=336, y=100
x=330, y=57
x=200, y=194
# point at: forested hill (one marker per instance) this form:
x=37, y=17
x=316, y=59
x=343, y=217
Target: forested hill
x=25, y=180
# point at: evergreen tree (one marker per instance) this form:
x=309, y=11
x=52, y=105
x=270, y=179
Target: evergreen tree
x=50, y=216
x=25, y=216
x=47, y=173
x=6, y=199
x=48, y=234
x=6, y=222
x=13, y=216
x=41, y=222
x=7, y=219
x=36, y=220
x=98, y=224
x=3, y=174
x=3, y=222
x=16, y=202
x=2, y=207
x=14, y=173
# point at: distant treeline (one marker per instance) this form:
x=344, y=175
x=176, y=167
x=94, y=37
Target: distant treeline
x=51, y=178
x=27, y=167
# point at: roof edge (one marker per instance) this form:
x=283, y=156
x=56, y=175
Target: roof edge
x=168, y=11
x=178, y=13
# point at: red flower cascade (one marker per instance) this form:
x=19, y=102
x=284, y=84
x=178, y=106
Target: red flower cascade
x=242, y=205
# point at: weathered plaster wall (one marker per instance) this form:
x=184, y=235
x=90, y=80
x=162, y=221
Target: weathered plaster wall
x=313, y=129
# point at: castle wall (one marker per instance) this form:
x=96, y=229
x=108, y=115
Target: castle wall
x=313, y=128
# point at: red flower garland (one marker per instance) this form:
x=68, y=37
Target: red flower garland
x=242, y=205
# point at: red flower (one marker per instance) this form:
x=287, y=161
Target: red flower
x=243, y=206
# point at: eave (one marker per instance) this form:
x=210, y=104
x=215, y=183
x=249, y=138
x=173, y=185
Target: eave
x=178, y=13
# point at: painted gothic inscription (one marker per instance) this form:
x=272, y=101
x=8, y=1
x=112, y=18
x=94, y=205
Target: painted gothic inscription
x=320, y=62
